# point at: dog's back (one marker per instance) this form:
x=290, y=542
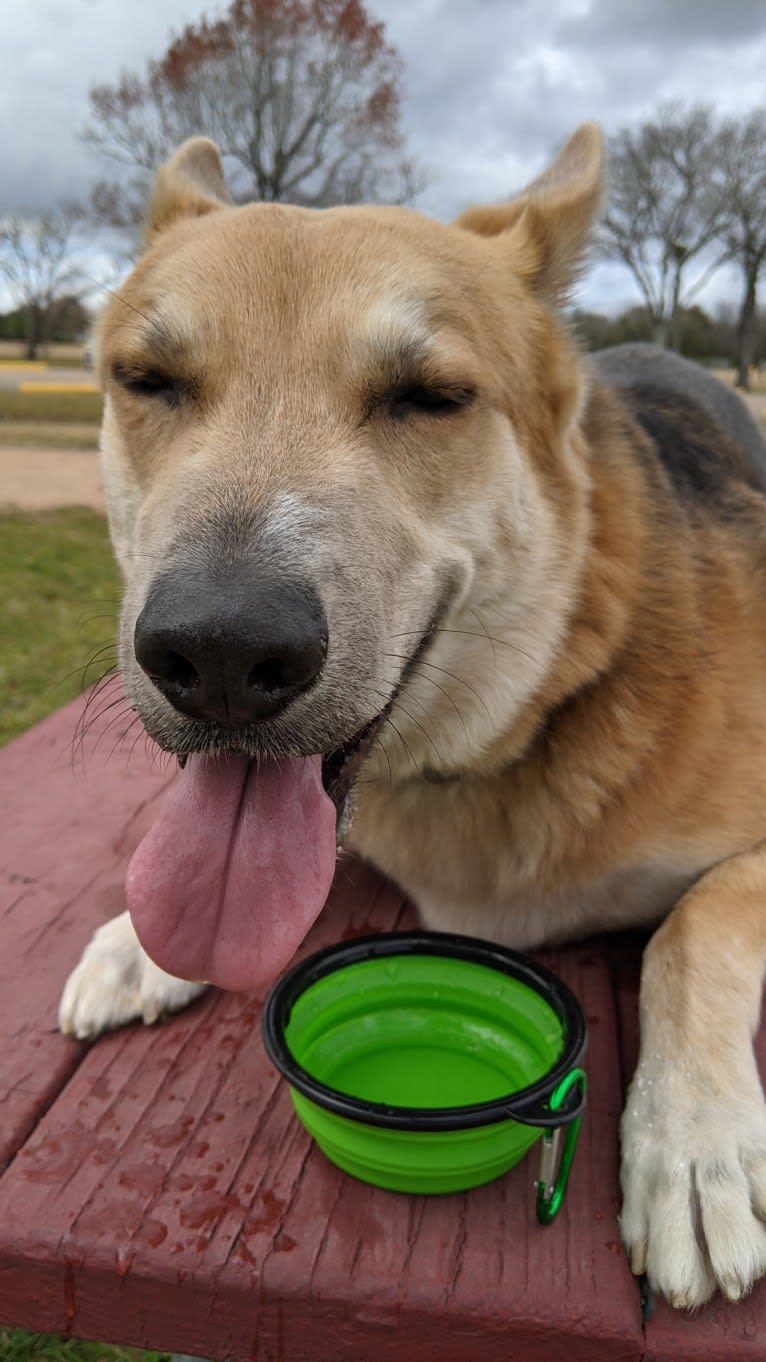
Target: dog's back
x=702, y=432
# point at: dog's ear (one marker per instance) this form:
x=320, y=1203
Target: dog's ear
x=549, y=224
x=189, y=185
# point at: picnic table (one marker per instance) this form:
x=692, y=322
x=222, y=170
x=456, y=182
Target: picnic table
x=157, y=1190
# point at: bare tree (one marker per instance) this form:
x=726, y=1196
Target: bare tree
x=661, y=215
x=38, y=265
x=739, y=178
x=302, y=96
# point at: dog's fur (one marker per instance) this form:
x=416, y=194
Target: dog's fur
x=582, y=744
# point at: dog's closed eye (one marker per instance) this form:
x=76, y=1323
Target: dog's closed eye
x=419, y=398
x=150, y=383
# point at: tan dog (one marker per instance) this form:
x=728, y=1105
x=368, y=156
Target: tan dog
x=378, y=518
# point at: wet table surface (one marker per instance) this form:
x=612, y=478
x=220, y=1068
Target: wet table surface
x=156, y=1188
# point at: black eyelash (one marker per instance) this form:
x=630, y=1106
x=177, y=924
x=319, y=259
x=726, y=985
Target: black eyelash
x=148, y=383
x=419, y=398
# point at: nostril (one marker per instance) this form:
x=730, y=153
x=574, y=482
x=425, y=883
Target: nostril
x=180, y=671
x=268, y=675
x=169, y=668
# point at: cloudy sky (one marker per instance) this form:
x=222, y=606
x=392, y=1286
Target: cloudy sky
x=492, y=86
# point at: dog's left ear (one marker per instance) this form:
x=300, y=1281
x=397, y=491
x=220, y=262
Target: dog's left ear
x=190, y=184
x=549, y=224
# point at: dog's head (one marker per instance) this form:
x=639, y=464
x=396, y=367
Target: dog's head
x=341, y=470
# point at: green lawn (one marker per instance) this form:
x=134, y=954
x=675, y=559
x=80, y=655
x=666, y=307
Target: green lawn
x=58, y=606
x=18, y=1346
x=49, y=434
x=50, y=420
x=42, y=406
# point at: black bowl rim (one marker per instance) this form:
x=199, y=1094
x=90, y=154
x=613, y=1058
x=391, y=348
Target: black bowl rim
x=526, y=1105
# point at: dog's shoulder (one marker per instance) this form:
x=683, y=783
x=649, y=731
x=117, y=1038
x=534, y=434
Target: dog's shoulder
x=701, y=432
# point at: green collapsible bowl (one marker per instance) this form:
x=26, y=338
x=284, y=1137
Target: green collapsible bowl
x=429, y=1062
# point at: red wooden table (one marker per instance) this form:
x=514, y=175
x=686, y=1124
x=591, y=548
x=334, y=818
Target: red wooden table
x=157, y=1190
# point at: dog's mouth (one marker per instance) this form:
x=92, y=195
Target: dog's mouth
x=240, y=860
x=341, y=767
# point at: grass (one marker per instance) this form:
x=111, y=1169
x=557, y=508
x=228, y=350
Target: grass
x=59, y=602
x=48, y=434
x=31, y=406
x=18, y=1346
x=49, y=420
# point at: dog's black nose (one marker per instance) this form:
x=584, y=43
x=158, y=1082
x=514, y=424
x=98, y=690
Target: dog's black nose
x=235, y=648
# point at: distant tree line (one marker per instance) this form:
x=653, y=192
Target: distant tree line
x=688, y=195
x=699, y=336
x=68, y=320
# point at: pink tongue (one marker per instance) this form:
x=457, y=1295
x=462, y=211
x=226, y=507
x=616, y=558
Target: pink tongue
x=235, y=869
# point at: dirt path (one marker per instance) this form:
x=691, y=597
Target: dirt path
x=41, y=479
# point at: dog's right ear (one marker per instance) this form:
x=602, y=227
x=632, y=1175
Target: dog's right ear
x=189, y=185
x=549, y=223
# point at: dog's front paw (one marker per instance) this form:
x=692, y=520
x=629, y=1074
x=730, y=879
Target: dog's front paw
x=116, y=982
x=694, y=1183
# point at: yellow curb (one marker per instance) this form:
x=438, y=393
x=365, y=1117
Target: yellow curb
x=56, y=388
x=24, y=364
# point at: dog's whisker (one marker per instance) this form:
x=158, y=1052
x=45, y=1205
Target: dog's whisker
x=125, y=708
x=122, y=736
x=88, y=715
x=482, y=626
x=473, y=633
x=142, y=734
x=119, y=298
x=388, y=720
x=447, y=696
x=381, y=747
x=97, y=658
x=423, y=663
x=93, y=708
x=397, y=704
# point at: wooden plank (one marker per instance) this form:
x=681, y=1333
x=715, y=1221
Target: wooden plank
x=719, y=1332
x=71, y=817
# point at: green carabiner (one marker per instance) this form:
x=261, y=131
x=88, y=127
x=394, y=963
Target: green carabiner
x=550, y=1192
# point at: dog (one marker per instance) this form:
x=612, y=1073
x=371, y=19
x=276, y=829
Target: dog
x=402, y=566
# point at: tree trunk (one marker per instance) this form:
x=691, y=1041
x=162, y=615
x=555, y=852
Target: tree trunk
x=660, y=332
x=673, y=341
x=674, y=331
x=746, y=329
x=33, y=336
